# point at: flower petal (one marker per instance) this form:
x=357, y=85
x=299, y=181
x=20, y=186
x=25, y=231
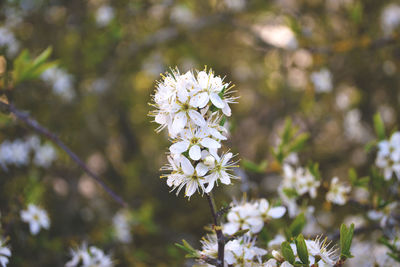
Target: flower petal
x=216, y=100
x=179, y=147
x=210, y=143
x=187, y=167
x=195, y=152
x=201, y=169
x=276, y=212
x=197, y=118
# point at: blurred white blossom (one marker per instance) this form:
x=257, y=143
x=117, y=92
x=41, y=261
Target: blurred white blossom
x=390, y=18
x=36, y=217
x=338, y=192
x=104, y=15
x=388, y=157
x=5, y=253
x=122, y=226
x=92, y=256
x=322, y=80
x=61, y=82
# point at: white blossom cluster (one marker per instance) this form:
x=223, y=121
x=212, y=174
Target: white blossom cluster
x=388, y=157
x=338, y=192
x=5, y=253
x=61, y=82
x=92, y=256
x=296, y=182
x=238, y=252
x=122, y=227
x=320, y=253
x=36, y=217
x=18, y=152
x=192, y=106
x=251, y=216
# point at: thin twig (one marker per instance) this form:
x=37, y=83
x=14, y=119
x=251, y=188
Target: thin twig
x=217, y=228
x=23, y=116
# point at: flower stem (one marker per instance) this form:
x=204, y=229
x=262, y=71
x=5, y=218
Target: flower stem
x=218, y=231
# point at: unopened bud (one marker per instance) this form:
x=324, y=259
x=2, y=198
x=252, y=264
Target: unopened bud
x=277, y=256
x=209, y=161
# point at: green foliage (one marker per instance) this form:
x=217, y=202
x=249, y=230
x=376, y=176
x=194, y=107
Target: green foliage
x=379, y=127
x=394, y=251
x=191, y=252
x=313, y=167
x=358, y=181
x=302, y=251
x=254, y=167
x=291, y=141
x=287, y=252
x=296, y=226
x=26, y=68
x=346, y=237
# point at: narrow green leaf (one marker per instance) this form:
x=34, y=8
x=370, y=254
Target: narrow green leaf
x=297, y=225
x=287, y=252
x=287, y=131
x=251, y=166
x=379, y=126
x=302, y=251
x=298, y=143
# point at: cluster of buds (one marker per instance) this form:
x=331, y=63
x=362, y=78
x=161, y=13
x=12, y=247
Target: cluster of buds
x=193, y=107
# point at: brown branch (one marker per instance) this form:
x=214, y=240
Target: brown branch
x=23, y=116
x=217, y=228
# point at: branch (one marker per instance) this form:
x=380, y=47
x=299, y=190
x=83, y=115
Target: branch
x=23, y=116
x=217, y=228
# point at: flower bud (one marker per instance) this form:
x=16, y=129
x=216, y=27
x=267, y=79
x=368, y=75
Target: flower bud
x=209, y=161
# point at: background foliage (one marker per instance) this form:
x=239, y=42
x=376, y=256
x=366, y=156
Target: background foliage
x=268, y=49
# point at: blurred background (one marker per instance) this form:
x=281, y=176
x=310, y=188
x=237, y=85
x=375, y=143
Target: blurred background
x=329, y=65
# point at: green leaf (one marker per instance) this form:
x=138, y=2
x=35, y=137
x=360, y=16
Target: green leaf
x=302, y=251
x=379, y=126
x=27, y=69
x=298, y=143
x=346, y=237
x=287, y=131
x=297, y=225
x=287, y=252
x=192, y=253
x=251, y=166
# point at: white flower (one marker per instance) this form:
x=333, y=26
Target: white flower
x=16, y=152
x=245, y=216
x=220, y=170
x=390, y=18
x=122, y=226
x=277, y=35
x=338, y=192
x=319, y=248
x=5, y=253
x=388, y=157
x=184, y=174
x=243, y=251
x=322, y=80
x=300, y=181
x=89, y=257
x=270, y=263
x=61, y=82
x=194, y=140
x=36, y=217
x=104, y=15
x=44, y=156
x=384, y=215
x=7, y=39
x=267, y=212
